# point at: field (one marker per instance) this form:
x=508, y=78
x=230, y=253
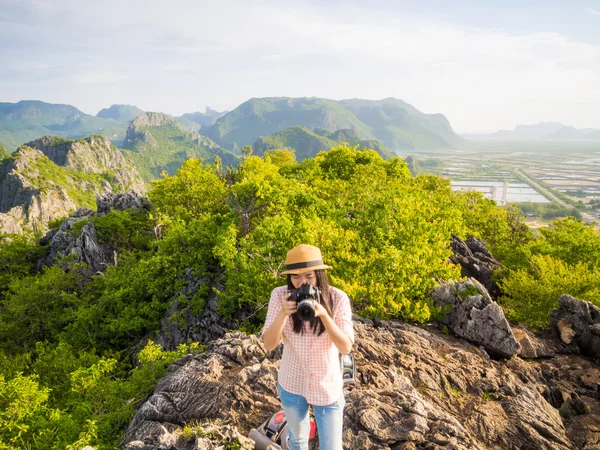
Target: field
x=566, y=173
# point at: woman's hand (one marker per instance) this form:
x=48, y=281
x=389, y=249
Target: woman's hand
x=288, y=306
x=320, y=311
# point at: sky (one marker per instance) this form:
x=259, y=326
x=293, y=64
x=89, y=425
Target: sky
x=485, y=65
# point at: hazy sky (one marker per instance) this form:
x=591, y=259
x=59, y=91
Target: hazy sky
x=486, y=65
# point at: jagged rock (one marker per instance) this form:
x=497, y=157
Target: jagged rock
x=94, y=154
x=84, y=246
x=473, y=315
x=205, y=327
x=30, y=198
x=121, y=202
x=475, y=261
x=531, y=346
x=577, y=323
x=416, y=388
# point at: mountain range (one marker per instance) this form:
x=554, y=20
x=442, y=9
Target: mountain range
x=395, y=123
x=28, y=120
x=546, y=131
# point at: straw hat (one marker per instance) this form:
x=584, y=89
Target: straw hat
x=304, y=258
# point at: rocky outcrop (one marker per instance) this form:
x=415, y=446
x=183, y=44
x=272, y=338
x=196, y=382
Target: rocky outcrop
x=84, y=246
x=470, y=313
x=532, y=346
x=94, y=154
x=475, y=261
x=416, y=388
x=41, y=183
x=204, y=141
x=181, y=324
x=577, y=323
x=136, y=133
x=23, y=204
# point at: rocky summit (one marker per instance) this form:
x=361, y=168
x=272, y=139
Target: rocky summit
x=417, y=388
x=50, y=177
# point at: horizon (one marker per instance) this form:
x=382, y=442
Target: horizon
x=486, y=68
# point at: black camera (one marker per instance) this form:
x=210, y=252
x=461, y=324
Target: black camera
x=306, y=296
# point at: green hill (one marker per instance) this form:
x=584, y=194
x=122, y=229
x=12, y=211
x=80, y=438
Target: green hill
x=120, y=113
x=155, y=142
x=307, y=143
x=31, y=119
x=198, y=119
x=398, y=125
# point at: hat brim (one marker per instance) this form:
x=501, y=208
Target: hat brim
x=305, y=269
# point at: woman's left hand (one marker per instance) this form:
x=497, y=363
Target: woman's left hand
x=320, y=310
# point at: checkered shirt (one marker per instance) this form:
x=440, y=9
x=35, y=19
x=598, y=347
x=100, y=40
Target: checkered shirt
x=310, y=364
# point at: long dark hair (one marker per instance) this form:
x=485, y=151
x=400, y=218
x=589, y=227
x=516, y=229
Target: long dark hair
x=315, y=324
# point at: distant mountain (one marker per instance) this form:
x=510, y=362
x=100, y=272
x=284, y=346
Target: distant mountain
x=156, y=142
x=307, y=143
x=120, y=113
x=395, y=123
x=51, y=177
x=547, y=130
x=31, y=119
x=197, y=120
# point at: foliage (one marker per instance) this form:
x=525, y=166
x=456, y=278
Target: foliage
x=562, y=259
x=547, y=210
x=73, y=398
x=196, y=190
x=530, y=295
x=129, y=230
x=18, y=254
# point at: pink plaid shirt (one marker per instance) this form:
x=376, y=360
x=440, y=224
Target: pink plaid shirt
x=310, y=364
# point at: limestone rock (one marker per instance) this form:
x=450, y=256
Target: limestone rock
x=30, y=198
x=189, y=326
x=475, y=261
x=531, y=346
x=577, y=323
x=416, y=388
x=84, y=246
x=473, y=315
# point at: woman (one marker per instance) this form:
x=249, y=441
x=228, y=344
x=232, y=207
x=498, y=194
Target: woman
x=309, y=372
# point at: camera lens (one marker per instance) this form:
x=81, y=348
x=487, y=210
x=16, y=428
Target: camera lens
x=306, y=310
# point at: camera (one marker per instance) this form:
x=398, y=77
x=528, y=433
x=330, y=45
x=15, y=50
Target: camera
x=306, y=296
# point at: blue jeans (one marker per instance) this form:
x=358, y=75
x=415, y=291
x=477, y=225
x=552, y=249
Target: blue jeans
x=329, y=420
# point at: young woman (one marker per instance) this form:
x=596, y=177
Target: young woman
x=309, y=372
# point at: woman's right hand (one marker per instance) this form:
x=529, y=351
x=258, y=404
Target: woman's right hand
x=288, y=306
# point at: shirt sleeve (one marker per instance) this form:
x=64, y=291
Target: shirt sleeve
x=273, y=310
x=342, y=316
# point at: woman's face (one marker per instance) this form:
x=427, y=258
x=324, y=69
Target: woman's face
x=298, y=279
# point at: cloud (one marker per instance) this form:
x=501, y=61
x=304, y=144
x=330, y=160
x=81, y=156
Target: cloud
x=182, y=57
x=592, y=11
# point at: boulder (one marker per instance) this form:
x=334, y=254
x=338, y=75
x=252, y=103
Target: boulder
x=577, y=323
x=470, y=313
